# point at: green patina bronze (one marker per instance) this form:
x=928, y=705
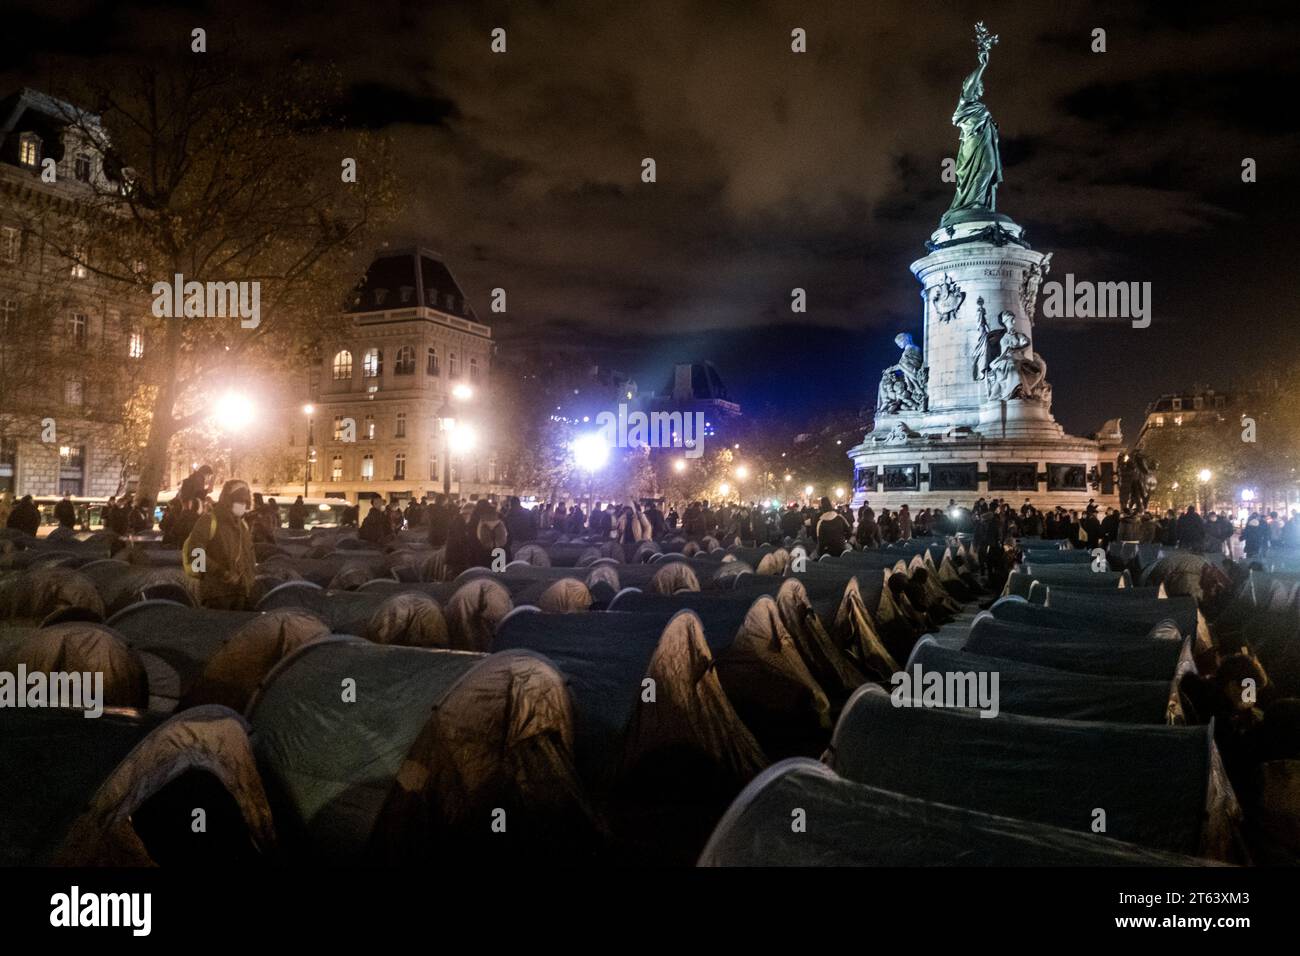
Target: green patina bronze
x=979, y=167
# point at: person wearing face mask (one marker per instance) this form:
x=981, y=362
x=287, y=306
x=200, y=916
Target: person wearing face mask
x=226, y=571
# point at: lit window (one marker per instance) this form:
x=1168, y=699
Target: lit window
x=473, y=370
x=431, y=363
x=342, y=366
x=336, y=470
x=433, y=468
x=453, y=365
x=373, y=364
x=1160, y=421
x=1178, y=419
x=29, y=149
x=77, y=328
x=370, y=427
x=136, y=348
x=367, y=467
x=81, y=167
x=405, y=364
x=400, y=431
x=399, y=466
x=338, y=427
x=9, y=244
x=72, y=392
x=79, y=270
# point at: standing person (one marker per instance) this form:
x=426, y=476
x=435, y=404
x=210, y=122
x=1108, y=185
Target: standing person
x=633, y=528
x=141, y=517
x=298, y=515
x=439, y=521
x=1190, y=530
x=6, y=508
x=904, y=524
x=25, y=517
x=521, y=523
x=376, y=529
x=486, y=533
x=225, y=564
x=1255, y=537
x=66, y=513
x=832, y=530
x=197, y=485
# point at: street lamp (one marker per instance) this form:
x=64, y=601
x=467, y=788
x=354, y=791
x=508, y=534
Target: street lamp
x=590, y=454
x=742, y=472
x=232, y=413
x=679, y=465
x=1204, y=475
x=839, y=493
x=309, y=409
x=459, y=435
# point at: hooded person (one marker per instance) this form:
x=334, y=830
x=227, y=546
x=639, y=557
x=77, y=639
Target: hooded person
x=226, y=563
x=487, y=532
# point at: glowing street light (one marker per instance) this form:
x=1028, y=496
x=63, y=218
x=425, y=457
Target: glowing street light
x=1204, y=474
x=309, y=410
x=462, y=438
x=839, y=492
x=679, y=465
x=724, y=489
x=742, y=472
x=590, y=452
x=232, y=411
x=462, y=392
x=808, y=490
x=788, y=477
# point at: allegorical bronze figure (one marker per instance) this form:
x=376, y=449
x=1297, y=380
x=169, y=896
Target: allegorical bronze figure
x=979, y=166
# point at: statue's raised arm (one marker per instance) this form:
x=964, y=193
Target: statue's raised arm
x=979, y=165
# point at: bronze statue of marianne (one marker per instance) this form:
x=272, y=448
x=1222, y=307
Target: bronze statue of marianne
x=979, y=167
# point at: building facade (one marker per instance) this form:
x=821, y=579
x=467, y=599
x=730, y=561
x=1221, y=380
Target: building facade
x=382, y=397
x=68, y=340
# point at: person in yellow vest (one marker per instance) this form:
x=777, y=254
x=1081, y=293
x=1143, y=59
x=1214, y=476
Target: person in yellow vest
x=225, y=563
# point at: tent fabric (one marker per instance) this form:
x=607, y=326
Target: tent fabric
x=176, y=643
x=852, y=824
x=674, y=576
x=1153, y=782
x=433, y=742
x=474, y=611
x=35, y=594
x=533, y=554
x=233, y=674
x=565, y=595
x=1152, y=658
x=410, y=618
x=119, y=583
x=81, y=647
x=622, y=737
x=1038, y=691
x=83, y=781
x=1019, y=581
x=1135, y=607
x=762, y=672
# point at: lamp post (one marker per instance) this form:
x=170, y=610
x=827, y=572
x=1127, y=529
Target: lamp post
x=309, y=409
x=1204, y=475
x=447, y=420
x=233, y=411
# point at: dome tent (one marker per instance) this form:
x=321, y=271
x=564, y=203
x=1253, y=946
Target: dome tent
x=80, y=647
x=1156, y=657
x=761, y=670
x=852, y=824
x=418, y=760
x=1038, y=691
x=1160, y=787
x=120, y=790
x=619, y=735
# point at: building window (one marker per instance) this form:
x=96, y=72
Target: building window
x=9, y=236
x=1178, y=404
x=29, y=149
x=400, y=431
x=370, y=427
x=1178, y=419
x=431, y=363
x=453, y=366
x=342, y=366
x=433, y=468
x=1160, y=421
x=473, y=370
x=72, y=392
x=405, y=364
x=8, y=315
x=336, y=468
x=136, y=348
x=81, y=167
x=79, y=270
x=77, y=329
x=373, y=364
x=338, y=427
x=367, y=467
x=399, y=466
x=492, y=469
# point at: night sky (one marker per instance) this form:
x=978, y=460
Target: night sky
x=819, y=170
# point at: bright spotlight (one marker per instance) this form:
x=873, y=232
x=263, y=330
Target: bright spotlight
x=462, y=392
x=679, y=465
x=462, y=438
x=1204, y=474
x=742, y=472
x=590, y=452
x=788, y=477
x=309, y=409
x=232, y=411
x=1247, y=494
x=808, y=490
x=724, y=488
x=839, y=492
